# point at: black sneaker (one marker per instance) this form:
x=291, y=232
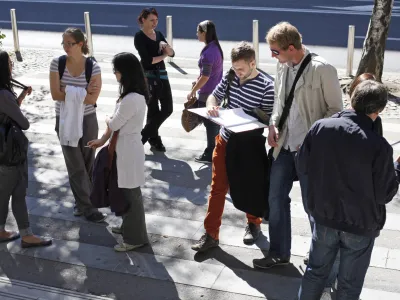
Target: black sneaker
x=206, y=242
x=252, y=233
x=78, y=212
x=96, y=217
x=156, y=145
x=270, y=261
x=204, y=158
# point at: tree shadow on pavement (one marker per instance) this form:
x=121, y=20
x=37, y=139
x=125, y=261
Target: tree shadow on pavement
x=176, y=179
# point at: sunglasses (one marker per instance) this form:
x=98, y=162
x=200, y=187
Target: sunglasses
x=68, y=45
x=276, y=52
x=150, y=10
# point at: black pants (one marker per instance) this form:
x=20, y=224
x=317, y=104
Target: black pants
x=212, y=129
x=160, y=91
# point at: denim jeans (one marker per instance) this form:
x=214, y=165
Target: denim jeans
x=212, y=129
x=283, y=174
x=355, y=256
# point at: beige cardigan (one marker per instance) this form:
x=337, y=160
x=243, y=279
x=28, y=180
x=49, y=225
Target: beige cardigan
x=317, y=93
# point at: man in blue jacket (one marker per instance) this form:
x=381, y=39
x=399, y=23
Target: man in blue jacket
x=351, y=179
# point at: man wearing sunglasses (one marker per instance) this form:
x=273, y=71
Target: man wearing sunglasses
x=316, y=95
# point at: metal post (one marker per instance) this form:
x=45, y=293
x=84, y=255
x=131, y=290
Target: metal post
x=169, y=34
x=15, y=34
x=256, y=41
x=350, y=50
x=88, y=30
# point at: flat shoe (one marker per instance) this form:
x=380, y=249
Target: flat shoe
x=14, y=236
x=43, y=243
x=126, y=247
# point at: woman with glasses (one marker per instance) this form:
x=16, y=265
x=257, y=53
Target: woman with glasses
x=70, y=70
x=153, y=49
x=211, y=68
x=128, y=120
x=13, y=175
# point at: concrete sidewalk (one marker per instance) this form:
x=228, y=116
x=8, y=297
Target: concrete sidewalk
x=82, y=259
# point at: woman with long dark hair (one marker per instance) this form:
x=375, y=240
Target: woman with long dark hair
x=128, y=119
x=14, y=177
x=211, y=68
x=69, y=73
x=153, y=49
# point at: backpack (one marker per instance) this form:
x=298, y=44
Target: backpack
x=13, y=143
x=62, y=63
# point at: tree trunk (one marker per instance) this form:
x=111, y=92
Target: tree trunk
x=375, y=41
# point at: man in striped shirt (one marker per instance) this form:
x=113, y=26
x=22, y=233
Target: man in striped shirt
x=248, y=90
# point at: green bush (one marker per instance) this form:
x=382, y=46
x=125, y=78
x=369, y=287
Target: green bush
x=2, y=36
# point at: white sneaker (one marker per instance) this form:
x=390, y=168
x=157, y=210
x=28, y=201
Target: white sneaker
x=326, y=294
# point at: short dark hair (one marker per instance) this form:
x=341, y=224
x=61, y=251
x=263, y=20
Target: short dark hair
x=144, y=14
x=243, y=50
x=132, y=76
x=78, y=36
x=369, y=97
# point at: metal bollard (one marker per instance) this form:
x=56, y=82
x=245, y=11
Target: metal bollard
x=169, y=35
x=350, y=50
x=256, y=41
x=15, y=34
x=88, y=30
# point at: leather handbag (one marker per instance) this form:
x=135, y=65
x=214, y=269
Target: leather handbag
x=190, y=120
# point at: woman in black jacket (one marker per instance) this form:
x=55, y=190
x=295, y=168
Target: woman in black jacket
x=153, y=49
x=13, y=172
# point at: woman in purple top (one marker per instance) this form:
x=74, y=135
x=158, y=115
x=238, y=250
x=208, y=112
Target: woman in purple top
x=211, y=65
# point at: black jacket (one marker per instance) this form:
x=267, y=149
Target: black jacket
x=351, y=173
x=105, y=191
x=248, y=168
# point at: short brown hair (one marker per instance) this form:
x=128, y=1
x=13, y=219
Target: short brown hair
x=78, y=36
x=243, y=50
x=284, y=34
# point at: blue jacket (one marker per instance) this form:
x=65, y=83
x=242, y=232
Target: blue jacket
x=350, y=173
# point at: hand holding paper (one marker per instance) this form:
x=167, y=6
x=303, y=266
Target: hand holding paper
x=235, y=119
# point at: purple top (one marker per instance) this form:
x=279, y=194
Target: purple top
x=211, y=65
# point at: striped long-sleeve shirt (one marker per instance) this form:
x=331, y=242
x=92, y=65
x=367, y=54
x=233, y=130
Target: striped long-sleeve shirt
x=257, y=92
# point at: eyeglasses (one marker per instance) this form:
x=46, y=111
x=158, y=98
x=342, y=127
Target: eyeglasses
x=11, y=63
x=68, y=45
x=115, y=71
